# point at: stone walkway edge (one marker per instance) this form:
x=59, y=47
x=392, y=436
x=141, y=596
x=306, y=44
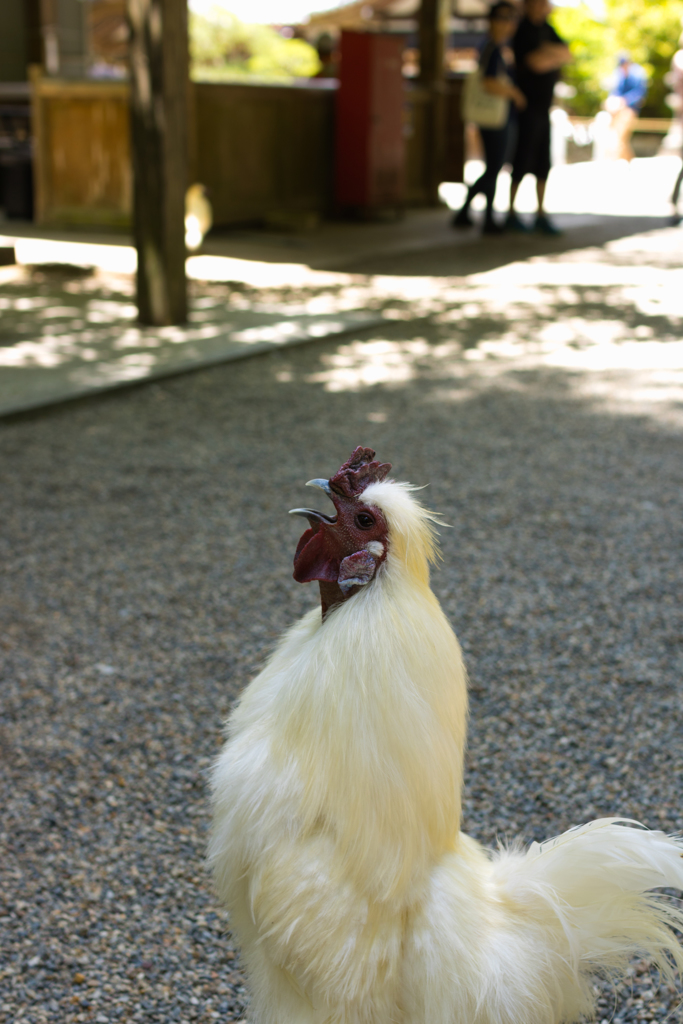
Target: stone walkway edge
x=57, y=384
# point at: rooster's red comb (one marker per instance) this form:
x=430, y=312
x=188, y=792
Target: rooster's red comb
x=358, y=473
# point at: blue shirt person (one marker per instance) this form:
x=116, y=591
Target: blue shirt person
x=624, y=103
x=631, y=84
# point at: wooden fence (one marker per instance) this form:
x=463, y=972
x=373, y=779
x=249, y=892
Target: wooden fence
x=264, y=152
x=81, y=152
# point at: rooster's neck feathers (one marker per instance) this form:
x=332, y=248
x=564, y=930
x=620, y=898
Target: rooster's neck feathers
x=412, y=531
x=366, y=713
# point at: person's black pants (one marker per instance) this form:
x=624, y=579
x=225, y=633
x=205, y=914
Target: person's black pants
x=495, y=142
x=533, y=145
x=677, y=186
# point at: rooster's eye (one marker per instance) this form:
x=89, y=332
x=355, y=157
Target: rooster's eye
x=365, y=521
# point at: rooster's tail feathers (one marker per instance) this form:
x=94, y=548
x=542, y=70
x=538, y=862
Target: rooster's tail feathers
x=589, y=890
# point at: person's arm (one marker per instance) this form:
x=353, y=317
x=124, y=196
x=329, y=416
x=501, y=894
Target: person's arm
x=497, y=87
x=548, y=57
x=495, y=80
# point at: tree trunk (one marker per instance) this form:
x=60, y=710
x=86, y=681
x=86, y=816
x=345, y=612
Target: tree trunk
x=159, y=89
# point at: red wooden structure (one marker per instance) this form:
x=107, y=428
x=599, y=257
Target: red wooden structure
x=369, y=138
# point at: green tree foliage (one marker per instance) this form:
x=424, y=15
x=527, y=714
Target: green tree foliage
x=224, y=48
x=593, y=62
x=648, y=30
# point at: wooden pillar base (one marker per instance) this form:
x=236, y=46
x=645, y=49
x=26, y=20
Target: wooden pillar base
x=159, y=90
x=433, y=25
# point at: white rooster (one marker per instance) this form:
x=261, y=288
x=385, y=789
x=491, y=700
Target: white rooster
x=337, y=798
x=198, y=216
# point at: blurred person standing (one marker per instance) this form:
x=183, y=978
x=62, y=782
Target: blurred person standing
x=539, y=55
x=496, y=64
x=677, y=84
x=624, y=103
x=328, y=57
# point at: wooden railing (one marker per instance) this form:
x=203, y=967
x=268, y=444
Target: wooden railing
x=655, y=125
x=264, y=152
x=81, y=151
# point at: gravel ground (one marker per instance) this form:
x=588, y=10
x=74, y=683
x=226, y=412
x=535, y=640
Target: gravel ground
x=146, y=559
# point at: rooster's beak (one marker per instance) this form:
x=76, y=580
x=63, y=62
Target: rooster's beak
x=310, y=513
x=313, y=516
x=324, y=485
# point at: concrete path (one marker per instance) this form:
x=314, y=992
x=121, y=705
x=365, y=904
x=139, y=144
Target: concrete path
x=75, y=354
x=68, y=316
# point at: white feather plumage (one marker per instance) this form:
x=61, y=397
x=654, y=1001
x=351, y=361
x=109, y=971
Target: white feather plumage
x=336, y=842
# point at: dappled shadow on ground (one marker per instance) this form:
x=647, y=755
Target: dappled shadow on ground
x=477, y=253
x=65, y=331
x=147, y=571
x=435, y=249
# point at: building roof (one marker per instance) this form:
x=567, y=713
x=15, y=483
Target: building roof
x=363, y=15
x=397, y=15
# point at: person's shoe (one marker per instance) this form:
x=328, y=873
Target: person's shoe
x=543, y=226
x=513, y=223
x=462, y=219
x=492, y=228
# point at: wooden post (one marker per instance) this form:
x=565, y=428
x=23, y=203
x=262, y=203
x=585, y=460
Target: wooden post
x=49, y=24
x=35, y=73
x=33, y=24
x=159, y=97
x=432, y=26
